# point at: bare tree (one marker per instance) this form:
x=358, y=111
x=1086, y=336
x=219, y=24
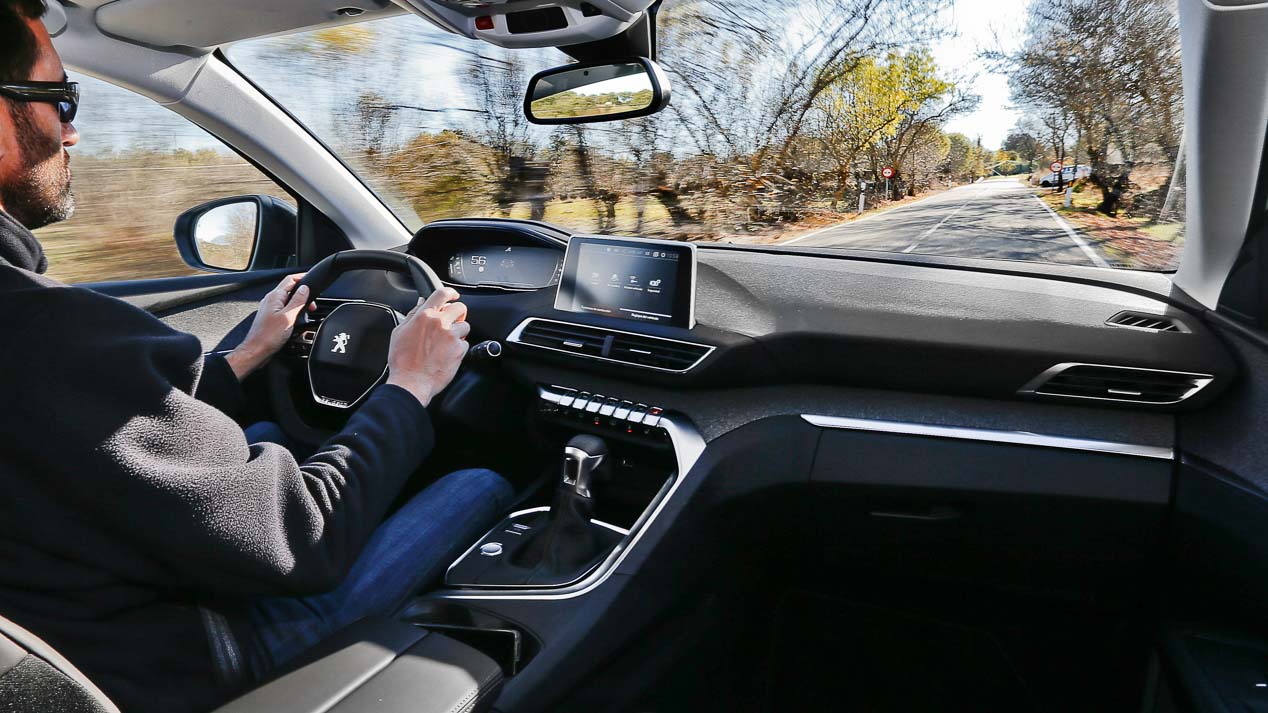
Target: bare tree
x=1114, y=67
x=752, y=120
x=510, y=160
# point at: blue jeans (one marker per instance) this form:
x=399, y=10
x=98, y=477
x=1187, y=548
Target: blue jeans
x=408, y=551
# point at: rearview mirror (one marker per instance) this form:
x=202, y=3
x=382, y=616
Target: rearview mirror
x=592, y=92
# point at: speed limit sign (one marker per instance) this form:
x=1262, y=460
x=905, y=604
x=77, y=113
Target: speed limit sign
x=887, y=172
x=1056, y=166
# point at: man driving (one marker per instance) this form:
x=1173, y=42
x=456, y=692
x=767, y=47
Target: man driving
x=143, y=534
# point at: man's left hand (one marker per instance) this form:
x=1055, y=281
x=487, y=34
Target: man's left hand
x=273, y=324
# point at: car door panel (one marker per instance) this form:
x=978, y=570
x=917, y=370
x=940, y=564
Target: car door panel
x=1213, y=648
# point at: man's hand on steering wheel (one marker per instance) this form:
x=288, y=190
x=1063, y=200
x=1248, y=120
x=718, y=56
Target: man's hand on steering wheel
x=427, y=348
x=274, y=321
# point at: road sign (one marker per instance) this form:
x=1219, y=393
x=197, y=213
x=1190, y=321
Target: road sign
x=887, y=172
x=1056, y=166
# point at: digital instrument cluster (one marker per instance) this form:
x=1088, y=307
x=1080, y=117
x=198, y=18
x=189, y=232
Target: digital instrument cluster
x=506, y=266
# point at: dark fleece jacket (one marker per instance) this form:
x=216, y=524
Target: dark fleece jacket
x=129, y=500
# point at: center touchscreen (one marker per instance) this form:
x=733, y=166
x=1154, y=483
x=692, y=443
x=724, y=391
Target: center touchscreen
x=638, y=280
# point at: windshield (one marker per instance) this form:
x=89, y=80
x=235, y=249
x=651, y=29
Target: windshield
x=1044, y=131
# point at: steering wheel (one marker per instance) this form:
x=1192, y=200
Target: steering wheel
x=349, y=352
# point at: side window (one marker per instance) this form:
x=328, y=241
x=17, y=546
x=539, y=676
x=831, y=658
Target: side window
x=137, y=167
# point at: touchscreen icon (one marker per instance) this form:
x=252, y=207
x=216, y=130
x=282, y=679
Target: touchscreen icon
x=615, y=277
x=633, y=279
x=654, y=283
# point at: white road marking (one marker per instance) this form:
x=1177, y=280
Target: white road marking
x=934, y=229
x=1061, y=222
x=865, y=218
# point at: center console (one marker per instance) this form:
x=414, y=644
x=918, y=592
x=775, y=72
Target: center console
x=522, y=590
x=620, y=463
x=619, y=466
x=602, y=494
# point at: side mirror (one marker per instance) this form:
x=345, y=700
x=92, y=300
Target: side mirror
x=237, y=234
x=597, y=91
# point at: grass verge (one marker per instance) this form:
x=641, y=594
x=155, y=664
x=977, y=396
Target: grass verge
x=1132, y=243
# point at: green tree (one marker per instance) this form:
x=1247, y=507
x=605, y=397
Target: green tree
x=1026, y=147
x=964, y=160
x=889, y=107
x=929, y=103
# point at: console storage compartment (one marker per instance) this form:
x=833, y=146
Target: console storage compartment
x=381, y=665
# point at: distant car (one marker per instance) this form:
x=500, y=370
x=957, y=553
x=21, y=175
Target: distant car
x=1069, y=173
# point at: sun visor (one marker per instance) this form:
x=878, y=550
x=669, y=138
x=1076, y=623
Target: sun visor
x=54, y=18
x=531, y=23
x=201, y=23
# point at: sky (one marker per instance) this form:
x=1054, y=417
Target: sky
x=981, y=25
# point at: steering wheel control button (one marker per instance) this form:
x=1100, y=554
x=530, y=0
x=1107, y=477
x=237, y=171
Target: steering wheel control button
x=491, y=549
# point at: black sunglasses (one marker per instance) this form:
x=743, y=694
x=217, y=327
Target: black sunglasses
x=64, y=94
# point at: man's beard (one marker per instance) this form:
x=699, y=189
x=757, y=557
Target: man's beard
x=40, y=194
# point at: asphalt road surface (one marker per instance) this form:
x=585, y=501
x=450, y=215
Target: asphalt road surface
x=997, y=218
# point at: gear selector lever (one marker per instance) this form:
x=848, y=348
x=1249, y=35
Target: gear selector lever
x=567, y=541
x=551, y=548
x=582, y=457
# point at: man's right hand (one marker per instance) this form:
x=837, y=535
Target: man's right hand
x=429, y=345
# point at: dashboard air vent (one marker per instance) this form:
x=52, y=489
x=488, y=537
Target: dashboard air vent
x=610, y=345
x=656, y=353
x=1118, y=383
x=574, y=338
x=1147, y=322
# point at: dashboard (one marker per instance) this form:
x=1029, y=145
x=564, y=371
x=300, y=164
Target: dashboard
x=710, y=316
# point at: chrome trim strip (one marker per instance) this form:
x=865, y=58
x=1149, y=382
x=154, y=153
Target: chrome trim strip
x=1032, y=387
x=689, y=446
x=610, y=526
x=515, y=338
x=1024, y=438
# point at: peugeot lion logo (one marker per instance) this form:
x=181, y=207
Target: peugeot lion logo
x=341, y=343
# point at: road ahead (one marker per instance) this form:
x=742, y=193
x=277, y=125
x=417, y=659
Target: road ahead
x=997, y=218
